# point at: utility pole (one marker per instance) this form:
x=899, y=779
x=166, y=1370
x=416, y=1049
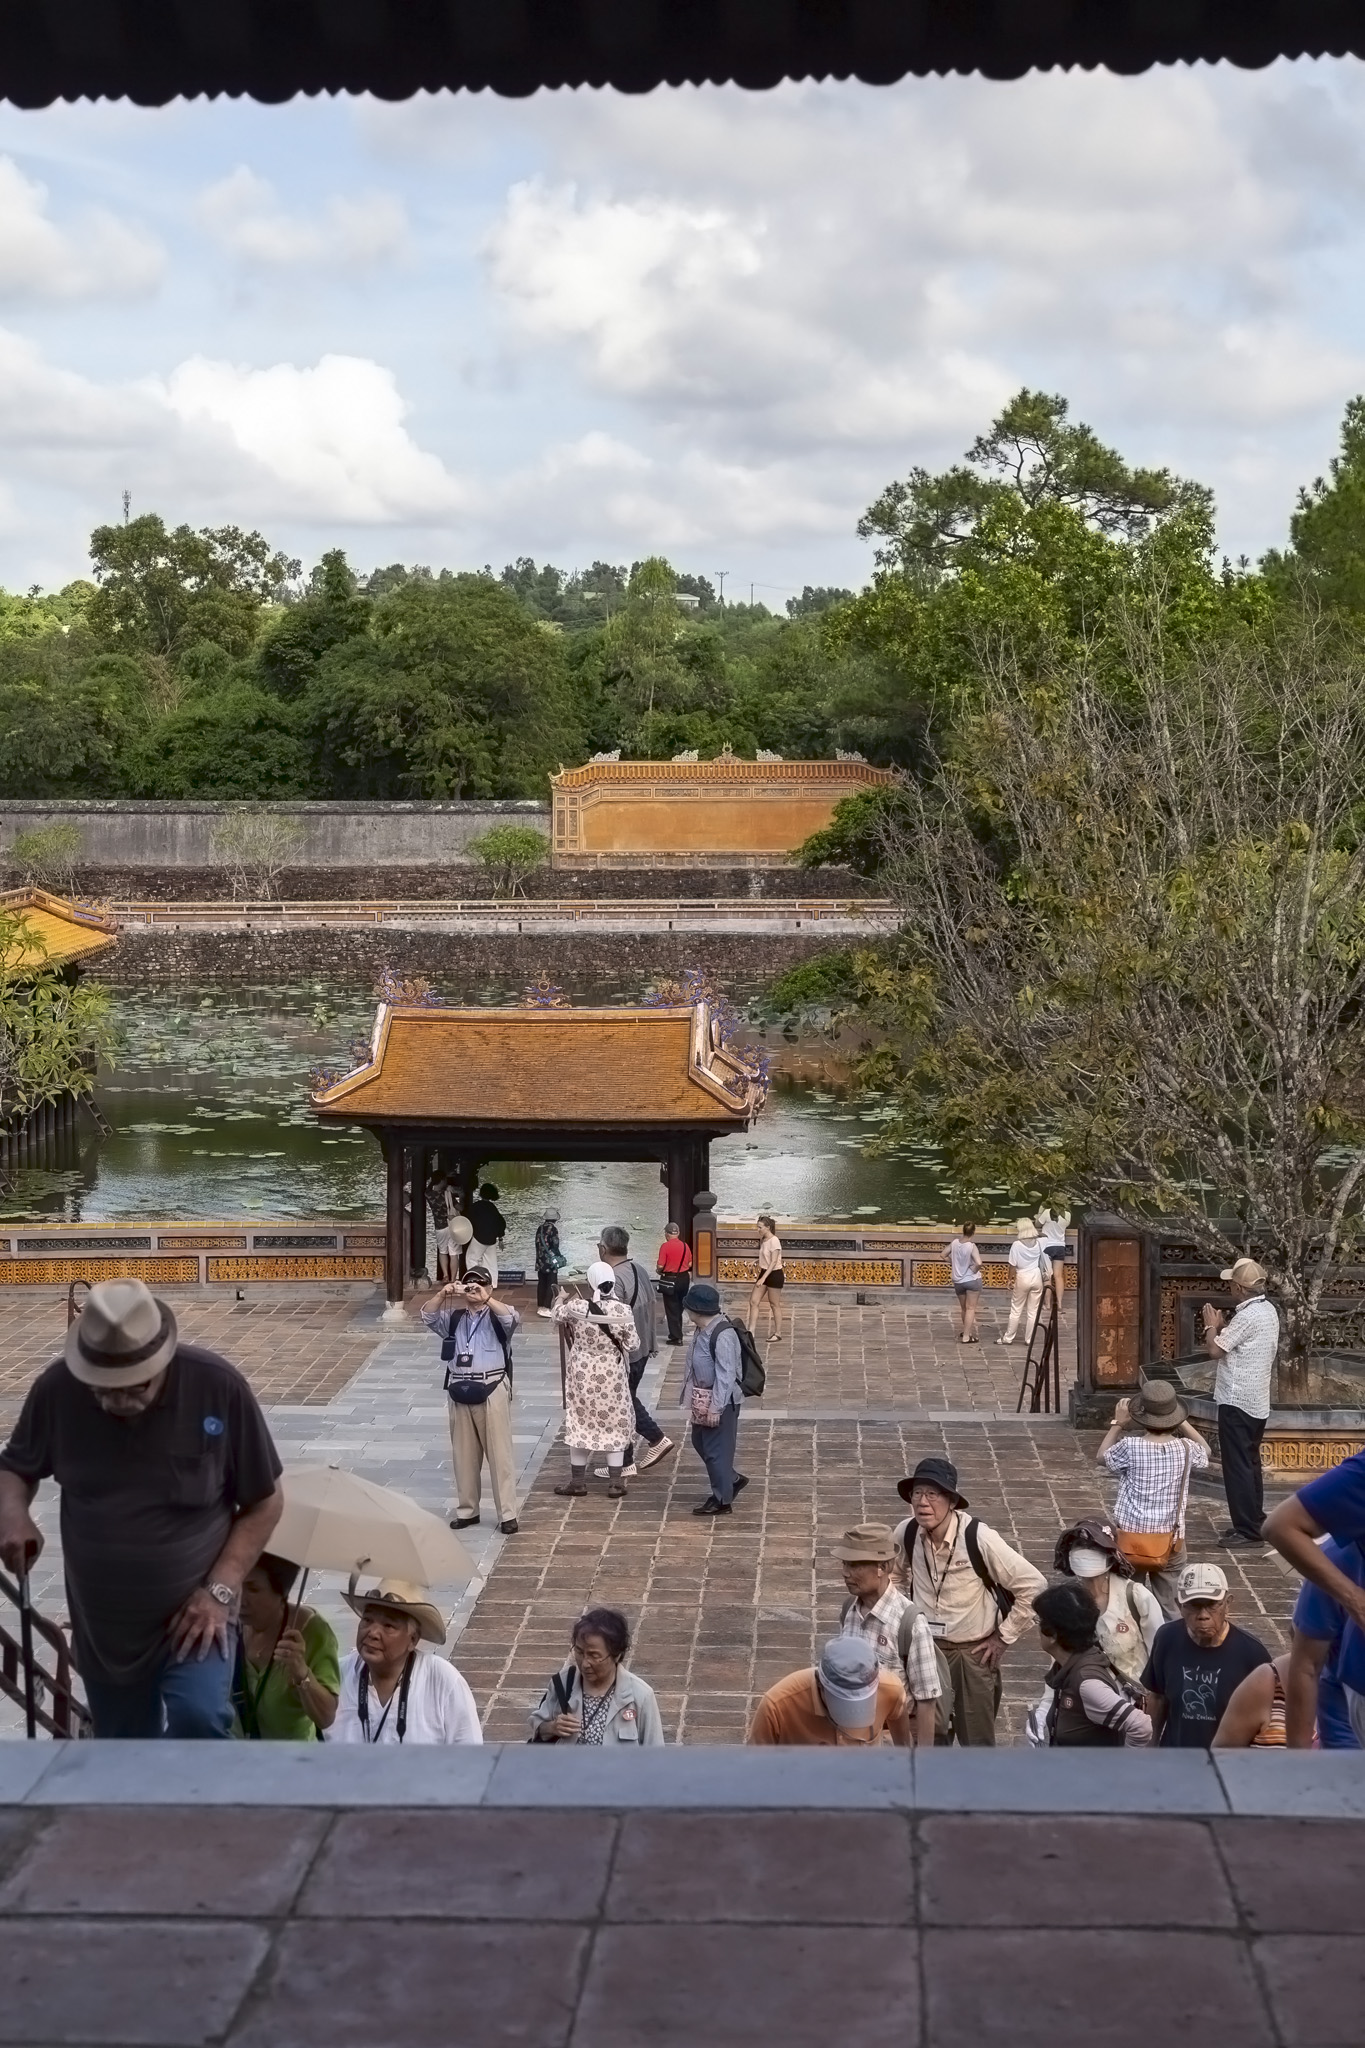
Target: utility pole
x=751, y=597
x=721, y=575
x=127, y=505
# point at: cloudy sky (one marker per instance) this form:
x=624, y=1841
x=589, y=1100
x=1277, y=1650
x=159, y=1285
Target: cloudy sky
x=706, y=323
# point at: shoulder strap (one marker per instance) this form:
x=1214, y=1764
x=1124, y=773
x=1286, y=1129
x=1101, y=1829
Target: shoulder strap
x=1129, y=1596
x=972, y=1539
x=1184, y=1489
x=721, y=1323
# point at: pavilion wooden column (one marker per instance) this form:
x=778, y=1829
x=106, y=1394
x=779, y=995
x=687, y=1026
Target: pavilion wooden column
x=684, y=1179
x=417, y=1222
x=395, y=1237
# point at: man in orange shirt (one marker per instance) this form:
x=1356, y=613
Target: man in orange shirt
x=847, y=1700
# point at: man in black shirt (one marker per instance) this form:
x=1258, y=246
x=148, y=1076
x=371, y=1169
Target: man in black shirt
x=489, y=1227
x=170, y=1488
x=1198, y=1662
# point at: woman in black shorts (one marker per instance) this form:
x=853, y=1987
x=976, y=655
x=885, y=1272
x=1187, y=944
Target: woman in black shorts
x=771, y=1279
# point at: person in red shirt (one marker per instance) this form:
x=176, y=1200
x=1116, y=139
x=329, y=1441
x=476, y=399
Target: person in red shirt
x=674, y=1264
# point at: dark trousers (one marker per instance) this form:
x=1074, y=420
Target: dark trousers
x=1239, y=1446
x=190, y=1702
x=716, y=1449
x=673, y=1306
x=547, y=1286
x=645, y=1424
x=969, y=1716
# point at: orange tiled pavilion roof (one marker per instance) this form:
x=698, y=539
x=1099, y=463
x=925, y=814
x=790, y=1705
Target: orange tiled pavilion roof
x=601, y=1068
x=66, y=932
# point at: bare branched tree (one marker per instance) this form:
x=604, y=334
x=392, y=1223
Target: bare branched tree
x=255, y=847
x=1132, y=954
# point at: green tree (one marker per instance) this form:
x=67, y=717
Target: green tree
x=160, y=591
x=54, y=1028
x=237, y=743
x=1326, y=555
x=298, y=637
x=65, y=717
x=508, y=854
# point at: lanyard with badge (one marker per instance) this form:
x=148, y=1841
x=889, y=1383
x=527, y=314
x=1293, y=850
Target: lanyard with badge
x=936, y=1584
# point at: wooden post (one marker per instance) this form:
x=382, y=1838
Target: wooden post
x=704, y=1262
x=682, y=1183
x=417, y=1222
x=395, y=1247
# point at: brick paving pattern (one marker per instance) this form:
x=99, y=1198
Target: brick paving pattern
x=721, y=1609
x=294, y=1347
x=564, y=1929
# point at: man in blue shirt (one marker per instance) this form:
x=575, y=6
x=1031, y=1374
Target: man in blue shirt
x=1334, y=1506
x=476, y=1350
x=1314, y=1693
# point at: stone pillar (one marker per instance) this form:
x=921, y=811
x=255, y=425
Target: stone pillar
x=395, y=1236
x=704, y=1262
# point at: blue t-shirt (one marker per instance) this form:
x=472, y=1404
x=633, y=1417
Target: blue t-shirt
x=1317, y=1614
x=1337, y=1504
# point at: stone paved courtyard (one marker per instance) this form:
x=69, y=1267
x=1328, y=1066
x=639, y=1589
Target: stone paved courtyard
x=856, y=1395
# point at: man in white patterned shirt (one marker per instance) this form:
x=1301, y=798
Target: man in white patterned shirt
x=1244, y=1345
x=1154, y=1449
x=889, y=1621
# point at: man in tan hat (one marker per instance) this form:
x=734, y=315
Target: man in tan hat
x=170, y=1489
x=1244, y=1344
x=877, y=1611
x=391, y=1691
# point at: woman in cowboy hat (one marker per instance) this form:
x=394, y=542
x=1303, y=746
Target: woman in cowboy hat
x=1153, y=1449
x=391, y=1691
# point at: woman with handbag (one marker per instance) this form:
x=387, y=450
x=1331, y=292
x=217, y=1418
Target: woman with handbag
x=593, y=1700
x=1154, y=1450
x=598, y=1411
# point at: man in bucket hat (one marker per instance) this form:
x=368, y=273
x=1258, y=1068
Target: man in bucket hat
x=170, y=1489
x=390, y=1691
x=879, y=1613
x=974, y=1591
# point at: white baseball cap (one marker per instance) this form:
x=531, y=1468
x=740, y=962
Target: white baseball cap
x=1200, y=1582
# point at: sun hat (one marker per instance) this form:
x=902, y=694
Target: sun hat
x=601, y=1275
x=1246, y=1273
x=400, y=1596
x=1200, y=1582
x=1026, y=1229
x=849, y=1676
x=461, y=1229
x=1156, y=1405
x=869, y=1543
x=702, y=1298
x=1090, y=1533
x=123, y=1337
x=550, y=1216
x=939, y=1472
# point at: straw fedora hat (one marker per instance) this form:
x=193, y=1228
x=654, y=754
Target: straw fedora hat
x=123, y=1337
x=1156, y=1405
x=400, y=1596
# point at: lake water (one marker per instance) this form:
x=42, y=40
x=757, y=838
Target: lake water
x=208, y=1106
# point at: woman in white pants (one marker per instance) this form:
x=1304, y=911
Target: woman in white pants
x=1032, y=1271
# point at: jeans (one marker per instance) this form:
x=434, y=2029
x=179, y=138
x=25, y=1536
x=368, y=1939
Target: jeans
x=716, y=1449
x=1239, y=1446
x=645, y=1424
x=189, y=1702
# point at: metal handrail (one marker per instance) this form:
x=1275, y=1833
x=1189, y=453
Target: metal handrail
x=30, y=1684
x=530, y=910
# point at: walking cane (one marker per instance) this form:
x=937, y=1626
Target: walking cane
x=26, y=1648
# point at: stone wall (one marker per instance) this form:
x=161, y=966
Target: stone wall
x=152, y=954
x=446, y=880
x=343, y=836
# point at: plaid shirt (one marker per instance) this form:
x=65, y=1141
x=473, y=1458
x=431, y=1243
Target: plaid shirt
x=1151, y=1475
x=1248, y=1342
x=880, y=1626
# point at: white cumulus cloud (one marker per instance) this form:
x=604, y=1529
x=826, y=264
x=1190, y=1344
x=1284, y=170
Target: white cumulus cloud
x=94, y=256
x=244, y=216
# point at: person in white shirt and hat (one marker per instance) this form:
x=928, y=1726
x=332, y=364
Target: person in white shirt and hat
x=1245, y=1345
x=1032, y=1271
x=391, y=1690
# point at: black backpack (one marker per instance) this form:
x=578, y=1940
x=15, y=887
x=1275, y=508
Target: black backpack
x=1003, y=1597
x=753, y=1375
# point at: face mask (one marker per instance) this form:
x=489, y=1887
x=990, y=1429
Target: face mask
x=1087, y=1563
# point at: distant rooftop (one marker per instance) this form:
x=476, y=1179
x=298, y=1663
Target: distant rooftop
x=67, y=931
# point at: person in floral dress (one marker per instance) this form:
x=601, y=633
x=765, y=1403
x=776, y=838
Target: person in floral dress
x=598, y=1414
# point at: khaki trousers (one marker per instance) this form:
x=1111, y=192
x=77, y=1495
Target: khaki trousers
x=480, y=1433
x=975, y=1700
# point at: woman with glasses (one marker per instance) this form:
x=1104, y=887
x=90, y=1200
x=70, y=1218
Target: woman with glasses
x=593, y=1700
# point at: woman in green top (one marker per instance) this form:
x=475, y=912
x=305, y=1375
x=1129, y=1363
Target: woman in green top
x=289, y=1672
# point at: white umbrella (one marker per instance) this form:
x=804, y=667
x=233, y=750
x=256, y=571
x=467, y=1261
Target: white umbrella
x=335, y=1521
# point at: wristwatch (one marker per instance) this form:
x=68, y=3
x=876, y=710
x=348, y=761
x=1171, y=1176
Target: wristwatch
x=224, y=1595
